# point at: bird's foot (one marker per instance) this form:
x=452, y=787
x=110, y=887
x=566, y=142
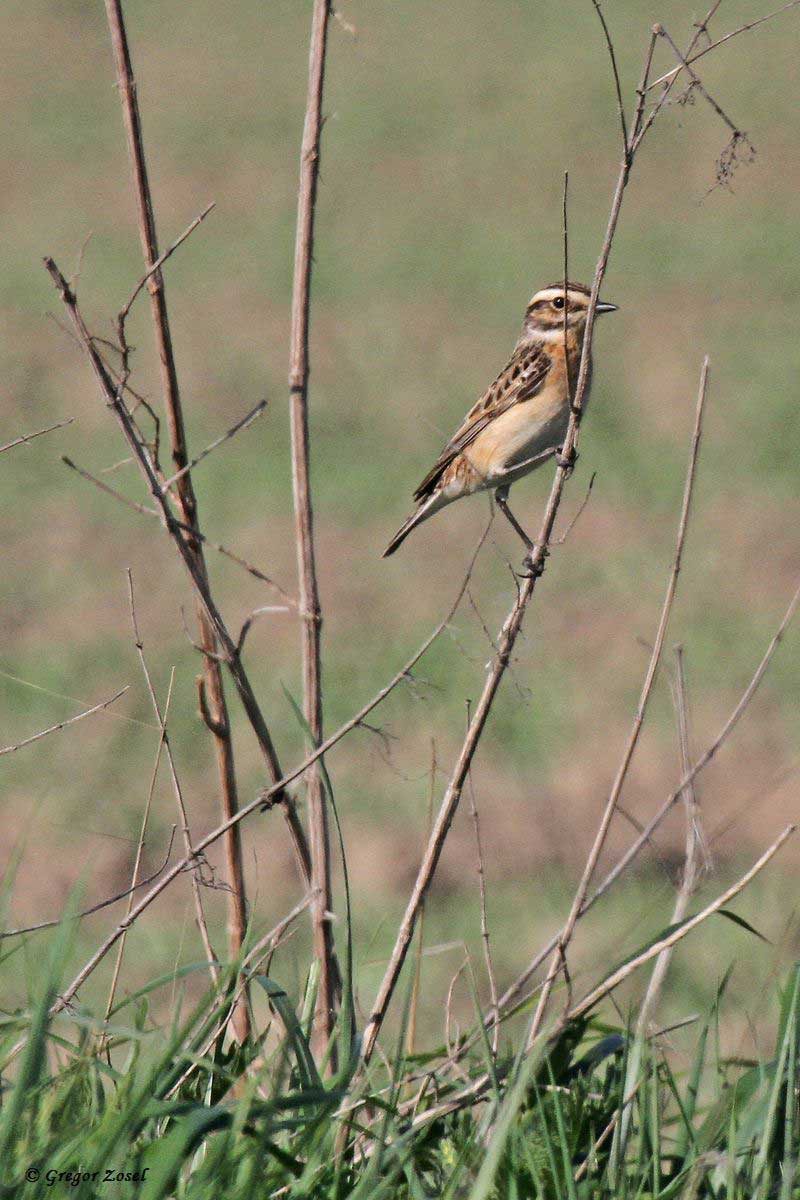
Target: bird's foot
x=533, y=563
x=566, y=460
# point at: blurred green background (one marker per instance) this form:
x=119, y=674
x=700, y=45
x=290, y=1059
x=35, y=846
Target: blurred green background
x=449, y=127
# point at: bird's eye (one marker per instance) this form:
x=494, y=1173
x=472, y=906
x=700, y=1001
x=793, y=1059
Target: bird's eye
x=558, y=302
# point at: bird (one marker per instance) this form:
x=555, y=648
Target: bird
x=521, y=419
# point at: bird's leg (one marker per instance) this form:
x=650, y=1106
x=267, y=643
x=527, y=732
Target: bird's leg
x=501, y=496
x=529, y=571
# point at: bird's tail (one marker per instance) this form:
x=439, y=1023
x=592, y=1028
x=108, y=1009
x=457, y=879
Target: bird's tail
x=425, y=510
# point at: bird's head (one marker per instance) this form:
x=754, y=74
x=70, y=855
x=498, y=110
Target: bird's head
x=544, y=316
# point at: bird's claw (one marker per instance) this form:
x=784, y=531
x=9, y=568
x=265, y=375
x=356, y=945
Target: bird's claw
x=566, y=461
x=533, y=563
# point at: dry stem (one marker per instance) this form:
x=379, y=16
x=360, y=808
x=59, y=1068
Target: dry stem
x=685, y=892
x=506, y=642
x=176, y=529
x=310, y=610
x=183, y=816
x=669, y=940
x=512, y=993
x=271, y=795
x=187, y=504
x=558, y=960
x=137, y=862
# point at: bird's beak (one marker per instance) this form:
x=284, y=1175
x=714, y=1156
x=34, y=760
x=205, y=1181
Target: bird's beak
x=602, y=307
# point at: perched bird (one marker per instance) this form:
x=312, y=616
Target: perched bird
x=521, y=419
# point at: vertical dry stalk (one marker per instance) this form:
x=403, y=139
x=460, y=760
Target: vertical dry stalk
x=214, y=706
x=310, y=611
x=557, y=961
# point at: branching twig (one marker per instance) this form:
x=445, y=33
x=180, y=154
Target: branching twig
x=644, y=125
x=269, y=796
x=512, y=993
x=200, y=916
x=633, y=739
x=697, y=81
x=671, y=939
x=506, y=641
x=670, y=75
x=198, y=577
x=143, y=510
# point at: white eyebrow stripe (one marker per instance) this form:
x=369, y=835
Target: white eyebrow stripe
x=576, y=299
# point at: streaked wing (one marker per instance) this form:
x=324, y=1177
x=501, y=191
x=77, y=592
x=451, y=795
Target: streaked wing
x=521, y=379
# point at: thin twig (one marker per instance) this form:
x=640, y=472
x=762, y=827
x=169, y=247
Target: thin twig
x=63, y=724
x=267, y=796
x=197, y=575
x=226, y=436
x=671, y=939
x=558, y=959
x=416, y=989
x=617, y=84
x=109, y=491
x=670, y=75
x=247, y=625
x=562, y=537
x=95, y=908
x=159, y=262
x=152, y=512
x=683, y=897
x=140, y=844
x=28, y=437
x=200, y=915
x=512, y=993
x=641, y=93
x=310, y=609
x=487, y=947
